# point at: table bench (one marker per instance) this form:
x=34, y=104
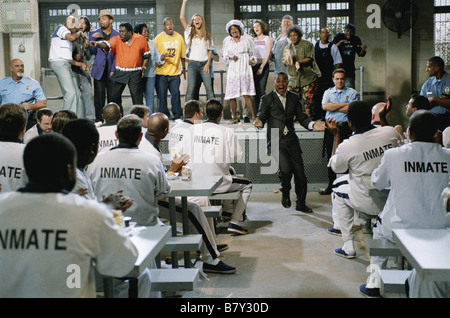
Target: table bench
x=178, y=279
x=393, y=281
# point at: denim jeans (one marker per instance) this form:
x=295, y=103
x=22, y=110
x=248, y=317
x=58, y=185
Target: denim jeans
x=171, y=83
x=68, y=83
x=85, y=84
x=149, y=93
x=195, y=70
x=260, y=83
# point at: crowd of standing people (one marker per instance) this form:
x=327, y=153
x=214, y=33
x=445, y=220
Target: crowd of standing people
x=313, y=85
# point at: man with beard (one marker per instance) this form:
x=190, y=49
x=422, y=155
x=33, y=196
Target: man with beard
x=104, y=63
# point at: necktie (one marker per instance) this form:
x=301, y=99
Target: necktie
x=283, y=101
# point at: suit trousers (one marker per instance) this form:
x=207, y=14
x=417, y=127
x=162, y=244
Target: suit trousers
x=102, y=94
x=291, y=164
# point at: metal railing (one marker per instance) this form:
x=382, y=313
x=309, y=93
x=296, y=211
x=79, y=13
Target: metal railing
x=45, y=71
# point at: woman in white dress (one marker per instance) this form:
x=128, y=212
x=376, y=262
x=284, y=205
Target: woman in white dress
x=238, y=55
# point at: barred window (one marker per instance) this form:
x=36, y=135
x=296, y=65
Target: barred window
x=442, y=29
x=311, y=15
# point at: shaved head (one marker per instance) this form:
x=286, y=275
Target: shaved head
x=158, y=125
x=111, y=112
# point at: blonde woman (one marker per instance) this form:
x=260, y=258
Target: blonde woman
x=200, y=45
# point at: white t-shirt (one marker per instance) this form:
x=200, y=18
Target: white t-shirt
x=60, y=48
x=107, y=138
x=12, y=169
x=212, y=148
x=198, y=49
x=360, y=155
x=50, y=242
x=139, y=174
x=261, y=47
x=446, y=137
x=30, y=134
x=416, y=174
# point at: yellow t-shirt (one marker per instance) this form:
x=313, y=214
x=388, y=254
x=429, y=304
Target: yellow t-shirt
x=172, y=44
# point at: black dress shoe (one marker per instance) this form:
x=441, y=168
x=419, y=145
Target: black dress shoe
x=303, y=208
x=286, y=201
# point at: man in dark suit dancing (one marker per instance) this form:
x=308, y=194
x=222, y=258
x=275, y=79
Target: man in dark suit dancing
x=280, y=108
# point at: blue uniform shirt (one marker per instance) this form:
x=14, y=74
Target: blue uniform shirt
x=23, y=90
x=332, y=95
x=434, y=88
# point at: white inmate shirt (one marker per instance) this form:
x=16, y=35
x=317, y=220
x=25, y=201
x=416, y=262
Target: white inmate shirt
x=12, y=170
x=361, y=154
x=212, y=148
x=107, y=138
x=139, y=174
x=43, y=234
x=416, y=173
x=176, y=136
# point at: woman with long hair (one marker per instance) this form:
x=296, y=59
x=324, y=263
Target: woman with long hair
x=263, y=48
x=82, y=54
x=200, y=45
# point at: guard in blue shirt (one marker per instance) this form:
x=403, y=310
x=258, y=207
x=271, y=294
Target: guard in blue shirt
x=437, y=90
x=22, y=90
x=335, y=102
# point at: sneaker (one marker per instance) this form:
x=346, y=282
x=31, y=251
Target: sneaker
x=246, y=119
x=233, y=121
x=340, y=252
x=222, y=247
x=334, y=231
x=220, y=268
x=369, y=292
x=236, y=229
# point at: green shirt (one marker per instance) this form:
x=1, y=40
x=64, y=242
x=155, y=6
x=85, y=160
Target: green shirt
x=307, y=74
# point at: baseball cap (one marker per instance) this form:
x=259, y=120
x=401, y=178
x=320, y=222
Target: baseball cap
x=106, y=12
x=287, y=16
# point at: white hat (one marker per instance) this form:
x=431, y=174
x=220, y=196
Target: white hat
x=237, y=23
x=105, y=12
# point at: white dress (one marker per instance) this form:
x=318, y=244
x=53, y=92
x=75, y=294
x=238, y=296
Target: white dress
x=239, y=74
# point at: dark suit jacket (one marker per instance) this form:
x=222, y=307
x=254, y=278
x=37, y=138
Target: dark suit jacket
x=271, y=111
x=102, y=59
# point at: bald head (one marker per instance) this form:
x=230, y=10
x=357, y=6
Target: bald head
x=17, y=68
x=111, y=113
x=158, y=125
x=376, y=111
